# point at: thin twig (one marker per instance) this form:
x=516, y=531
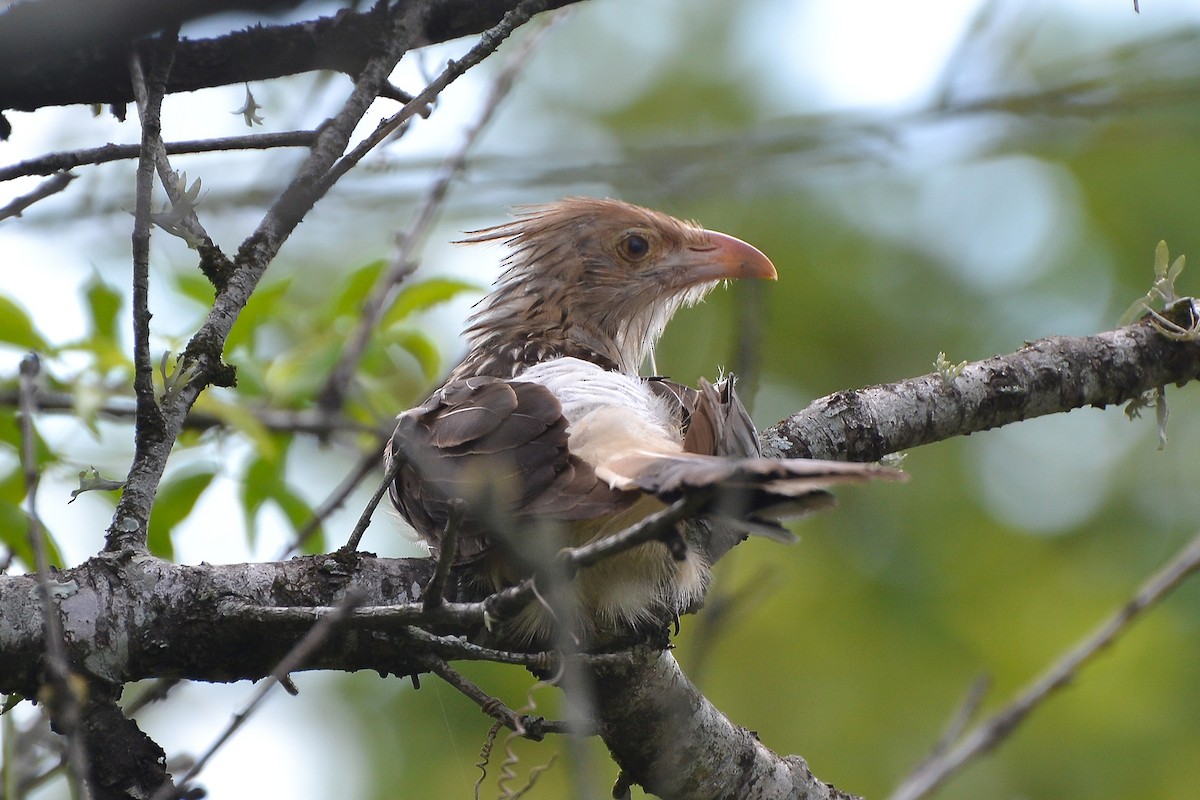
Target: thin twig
x=654, y=526
x=366, y=465
x=282, y=420
x=156, y=692
x=44, y=189
x=187, y=224
x=364, y=519
x=333, y=394
x=129, y=528
x=959, y=721
x=990, y=733
x=490, y=705
x=203, y=352
x=456, y=648
x=54, y=162
x=66, y=702
x=295, y=659
x=432, y=597
x=487, y=44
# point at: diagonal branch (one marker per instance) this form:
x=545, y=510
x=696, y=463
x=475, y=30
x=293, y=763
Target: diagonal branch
x=333, y=394
x=990, y=733
x=201, y=361
x=47, y=188
x=1044, y=377
x=644, y=700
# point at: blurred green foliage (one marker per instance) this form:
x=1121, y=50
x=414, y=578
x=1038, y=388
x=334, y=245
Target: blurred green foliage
x=1025, y=203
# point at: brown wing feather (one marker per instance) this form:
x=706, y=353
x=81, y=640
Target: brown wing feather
x=752, y=492
x=501, y=447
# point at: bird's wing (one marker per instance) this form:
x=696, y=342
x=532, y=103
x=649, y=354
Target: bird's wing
x=721, y=456
x=500, y=447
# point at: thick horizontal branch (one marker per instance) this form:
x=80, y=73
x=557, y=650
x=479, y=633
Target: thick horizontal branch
x=125, y=619
x=1048, y=376
x=61, y=52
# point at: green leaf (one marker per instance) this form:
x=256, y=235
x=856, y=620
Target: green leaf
x=240, y=418
x=14, y=534
x=298, y=513
x=262, y=483
x=257, y=484
x=354, y=290
x=195, y=286
x=421, y=348
x=12, y=487
x=293, y=377
x=424, y=295
x=174, y=503
x=263, y=306
x=10, y=433
x=16, y=328
x=104, y=307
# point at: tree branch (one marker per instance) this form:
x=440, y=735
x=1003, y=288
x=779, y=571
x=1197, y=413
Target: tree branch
x=50, y=186
x=1048, y=376
x=997, y=728
x=644, y=699
x=33, y=37
x=53, y=162
x=128, y=619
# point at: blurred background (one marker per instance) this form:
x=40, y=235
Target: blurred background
x=945, y=176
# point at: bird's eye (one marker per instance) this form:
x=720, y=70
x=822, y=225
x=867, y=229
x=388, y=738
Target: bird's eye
x=634, y=246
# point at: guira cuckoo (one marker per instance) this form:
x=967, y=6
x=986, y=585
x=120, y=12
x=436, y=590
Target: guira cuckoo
x=546, y=429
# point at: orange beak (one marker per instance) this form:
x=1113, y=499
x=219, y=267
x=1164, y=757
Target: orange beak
x=721, y=257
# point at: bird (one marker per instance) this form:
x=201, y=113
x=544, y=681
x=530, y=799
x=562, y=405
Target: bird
x=546, y=435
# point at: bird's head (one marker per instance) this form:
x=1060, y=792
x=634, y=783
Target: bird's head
x=601, y=277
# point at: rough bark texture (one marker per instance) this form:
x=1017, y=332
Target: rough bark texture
x=644, y=699
x=1048, y=376
x=131, y=617
x=45, y=62
x=125, y=619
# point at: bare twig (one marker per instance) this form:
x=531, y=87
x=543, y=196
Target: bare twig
x=456, y=648
x=1000, y=726
x=432, y=596
x=333, y=394
x=66, y=703
x=1044, y=377
x=44, y=189
x=53, y=162
x=202, y=356
x=295, y=659
x=366, y=465
x=487, y=44
x=129, y=525
x=654, y=526
x=155, y=692
x=283, y=420
x=364, y=519
x=184, y=221
x=527, y=726
x=959, y=721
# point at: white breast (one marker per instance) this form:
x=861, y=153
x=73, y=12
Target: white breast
x=583, y=387
x=612, y=416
